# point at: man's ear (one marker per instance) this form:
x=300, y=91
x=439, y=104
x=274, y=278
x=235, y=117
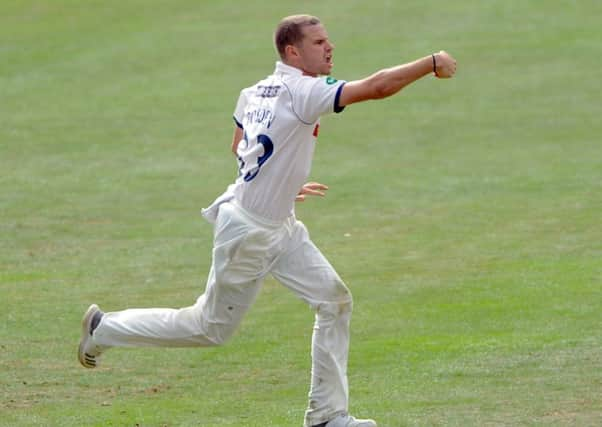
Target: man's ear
x=291, y=51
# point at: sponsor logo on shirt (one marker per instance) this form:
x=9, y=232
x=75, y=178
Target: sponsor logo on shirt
x=331, y=80
x=268, y=91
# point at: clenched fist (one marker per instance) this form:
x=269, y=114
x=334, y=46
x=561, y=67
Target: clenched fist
x=445, y=65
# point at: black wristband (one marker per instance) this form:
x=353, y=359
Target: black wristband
x=434, y=64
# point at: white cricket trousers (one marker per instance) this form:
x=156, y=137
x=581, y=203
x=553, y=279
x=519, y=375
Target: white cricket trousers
x=246, y=249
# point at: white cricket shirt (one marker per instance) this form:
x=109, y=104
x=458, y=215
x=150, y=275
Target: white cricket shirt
x=280, y=117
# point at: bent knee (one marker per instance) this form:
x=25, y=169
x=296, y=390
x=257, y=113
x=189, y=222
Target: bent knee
x=335, y=309
x=218, y=340
x=210, y=340
x=214, y=334
x=337, y=295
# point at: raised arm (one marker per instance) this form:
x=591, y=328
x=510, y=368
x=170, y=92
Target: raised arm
x=389, y=81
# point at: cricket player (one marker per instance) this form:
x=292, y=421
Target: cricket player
x=256, y=232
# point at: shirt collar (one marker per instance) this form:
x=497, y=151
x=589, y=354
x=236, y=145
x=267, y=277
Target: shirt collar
x=281, y=67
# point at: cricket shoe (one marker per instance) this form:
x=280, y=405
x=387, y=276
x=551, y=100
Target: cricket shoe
x=88, y=352
x=345, y=420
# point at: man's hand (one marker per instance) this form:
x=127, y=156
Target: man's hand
x=445, y=65
x=311, y=189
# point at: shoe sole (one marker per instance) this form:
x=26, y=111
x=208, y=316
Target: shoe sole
x=85, y=359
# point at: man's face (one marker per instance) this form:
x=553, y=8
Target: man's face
x=315, y=51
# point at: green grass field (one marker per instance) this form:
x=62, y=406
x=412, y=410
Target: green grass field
x=465, y=215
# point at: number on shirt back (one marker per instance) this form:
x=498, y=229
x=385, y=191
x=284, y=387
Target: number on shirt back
x=268, y=149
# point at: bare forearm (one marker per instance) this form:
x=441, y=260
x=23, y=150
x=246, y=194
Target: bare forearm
x=236, y=137
x=389, y=81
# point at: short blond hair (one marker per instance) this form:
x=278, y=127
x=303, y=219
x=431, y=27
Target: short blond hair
x=290, y=31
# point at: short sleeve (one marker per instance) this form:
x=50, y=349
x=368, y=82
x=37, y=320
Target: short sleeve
x=240, y=109
x=315, y=97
